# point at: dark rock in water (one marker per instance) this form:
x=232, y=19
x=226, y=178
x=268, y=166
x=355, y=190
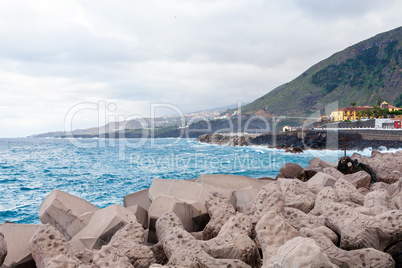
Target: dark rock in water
x=294, y=150
x=346, y=165
x=297, y=150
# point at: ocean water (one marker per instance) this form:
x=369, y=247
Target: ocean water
x=104, y=171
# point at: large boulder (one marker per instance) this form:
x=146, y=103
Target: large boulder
x=187, y=190
x=269, y=198
x=238, y=247
x=361, y=231
x=387, y=166
x=219, y=210
x=68, y=213
x=246, y=196
x=376, y=202
x=347, y=192
x=232, y=182
x=319, y=181
x=328, y=194
x=317, y=162
x=301, y=252
x=3, y=249
x=189, y=212
x=183, y=250
x=128, y=242
x=140, y=198
x=238, y=224
x=86, y=256
x=360, y=179
x=333, y=172
x=290, y=170
x=103, y=224
x=273, y=231
x=17, y=237
x=298, y=219
x=141, y=214
x=297, y=194
x=61, y=261
x=109, y=256
x=234, y=242
x=46, y=246
x=361, y=258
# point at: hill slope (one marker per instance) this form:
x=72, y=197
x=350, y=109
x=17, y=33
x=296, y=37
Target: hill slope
x=360, y=73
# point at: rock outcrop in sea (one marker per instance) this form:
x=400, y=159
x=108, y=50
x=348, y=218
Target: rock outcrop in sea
x=319, y=216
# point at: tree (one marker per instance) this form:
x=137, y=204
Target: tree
x=379, y=101
x=361, y=114
x=353, y=104
x=398, y=103
x=369, y=112
x=379, y=112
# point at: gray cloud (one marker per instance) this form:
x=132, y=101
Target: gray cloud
x=194, y=54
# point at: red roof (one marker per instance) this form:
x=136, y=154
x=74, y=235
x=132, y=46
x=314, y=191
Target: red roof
x=354, y=109
x=393, y=107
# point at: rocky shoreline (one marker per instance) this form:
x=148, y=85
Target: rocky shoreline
x=324, y=215
x=298, y=141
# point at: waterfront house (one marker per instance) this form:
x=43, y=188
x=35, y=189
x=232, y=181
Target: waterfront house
x=348, y=113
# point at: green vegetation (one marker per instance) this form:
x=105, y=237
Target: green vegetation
x=361, y=73
x=365, y=70
x=377, y=112
x=353, y=104
x=398, y=102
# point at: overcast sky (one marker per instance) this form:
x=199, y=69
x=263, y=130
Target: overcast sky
x=192, y=54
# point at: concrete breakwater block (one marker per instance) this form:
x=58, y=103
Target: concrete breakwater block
x=321, y=180
x=328, y=220
x=140, y=198
x=189, y=212
x=301, y=252
x=290, y=170
x=103, y=224
x=67, y=213
x=49, y=248
x=141, y=214
x=17, y=237
x=3, y=249
x=230, y=181
x=187, y=190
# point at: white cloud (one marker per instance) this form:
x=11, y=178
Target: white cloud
x=194, y=54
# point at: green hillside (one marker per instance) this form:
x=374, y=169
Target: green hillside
x=360, y=73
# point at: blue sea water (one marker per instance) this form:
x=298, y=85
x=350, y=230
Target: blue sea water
x=104, y=171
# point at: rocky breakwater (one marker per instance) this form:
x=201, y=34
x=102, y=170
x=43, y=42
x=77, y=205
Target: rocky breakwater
x=296, y=142
x=324, y=215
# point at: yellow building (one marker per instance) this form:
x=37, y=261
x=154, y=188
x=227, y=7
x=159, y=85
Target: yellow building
x=348, y=113
x=390, y=108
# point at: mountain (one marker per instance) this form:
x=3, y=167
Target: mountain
x=361, y=73
x=135, y=127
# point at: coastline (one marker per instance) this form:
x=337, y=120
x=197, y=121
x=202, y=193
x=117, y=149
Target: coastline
x=298, y=141
x=212, y=220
